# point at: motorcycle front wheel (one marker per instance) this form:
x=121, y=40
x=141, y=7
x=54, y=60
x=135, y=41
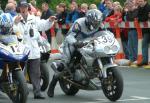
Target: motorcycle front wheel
x=112, y=86
x=20, y=94
x=68, y=88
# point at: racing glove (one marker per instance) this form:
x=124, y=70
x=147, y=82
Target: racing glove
x=79, y=44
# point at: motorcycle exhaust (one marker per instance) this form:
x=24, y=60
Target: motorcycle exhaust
x=75, y=84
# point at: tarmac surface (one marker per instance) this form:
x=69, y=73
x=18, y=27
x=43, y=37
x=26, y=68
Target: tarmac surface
x=136, y=90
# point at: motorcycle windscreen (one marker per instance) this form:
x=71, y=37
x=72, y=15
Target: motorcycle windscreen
x=7, y=39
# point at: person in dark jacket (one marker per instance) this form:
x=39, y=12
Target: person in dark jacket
x=73, y=15
x=61, y=16
x=45, y=15
x=102, y=6
x=143, y=16
x=124, y=32
x=109, y=9
x=132, y=33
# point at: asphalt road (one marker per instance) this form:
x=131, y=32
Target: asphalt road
x=136, y=90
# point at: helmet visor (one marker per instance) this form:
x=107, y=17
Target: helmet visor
x=96, y=24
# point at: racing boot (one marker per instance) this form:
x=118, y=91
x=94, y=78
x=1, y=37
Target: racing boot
x=52, y=86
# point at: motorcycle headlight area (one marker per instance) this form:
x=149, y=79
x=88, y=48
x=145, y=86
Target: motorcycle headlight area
x=111, y=49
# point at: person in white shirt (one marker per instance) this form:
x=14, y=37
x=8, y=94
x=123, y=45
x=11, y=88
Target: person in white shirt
x=29, y=26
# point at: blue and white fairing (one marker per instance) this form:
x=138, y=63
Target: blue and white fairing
x=13, y=52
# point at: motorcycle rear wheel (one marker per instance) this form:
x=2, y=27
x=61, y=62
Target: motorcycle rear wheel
x=22, y=90
x=112, y=86
x=68, y=88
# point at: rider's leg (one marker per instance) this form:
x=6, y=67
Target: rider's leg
x=52, y=85
x=57, y=68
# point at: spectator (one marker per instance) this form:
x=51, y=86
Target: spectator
x=47, y=12
x=136, y=3
x=61, y=13
x=75, y=4
x=13, y=1
x=72, y=15
x=32, y=9
x=124, y=32
x=38, y=13
x=102, y=6
x=93, y=6
x=11, y=8
x=109, y=9
x=33, y=2
x=117, y=16
x=61, y=16
x=143, y=16
x=29, y=27
x=83, y=10
x=116, y=3
x=57, y=10
x=132, y=33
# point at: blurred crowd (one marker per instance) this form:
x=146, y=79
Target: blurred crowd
x=112, y=12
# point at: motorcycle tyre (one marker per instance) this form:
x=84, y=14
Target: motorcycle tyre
x=71, y=91
x=119, y=83
x=18, y=76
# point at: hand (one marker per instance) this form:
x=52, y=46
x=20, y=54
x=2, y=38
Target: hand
x=18, y=19
x=52, y=18
x=79, y=44
x=126, y=9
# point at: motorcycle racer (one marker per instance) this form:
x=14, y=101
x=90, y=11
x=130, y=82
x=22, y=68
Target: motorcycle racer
x=6, y=31
x=81, y=29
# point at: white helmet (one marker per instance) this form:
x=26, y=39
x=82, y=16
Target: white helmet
x=6, y=23
x=94, y=19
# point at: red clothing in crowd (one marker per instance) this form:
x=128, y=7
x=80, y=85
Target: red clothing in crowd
x=116, y=18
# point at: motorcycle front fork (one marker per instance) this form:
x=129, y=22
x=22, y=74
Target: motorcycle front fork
x=105, y=67
x=9, y=74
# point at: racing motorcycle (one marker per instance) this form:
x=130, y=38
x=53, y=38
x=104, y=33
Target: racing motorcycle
x=12, y=80
x=45, y=53
x=92, y=67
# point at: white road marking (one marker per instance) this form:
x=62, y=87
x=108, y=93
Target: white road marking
x=133, y=98
x=140, y=97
